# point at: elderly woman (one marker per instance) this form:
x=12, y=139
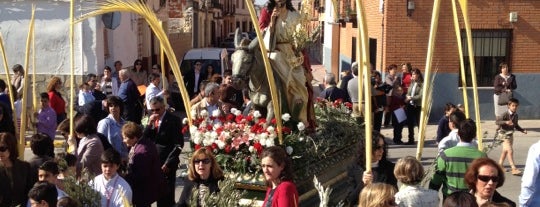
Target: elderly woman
x=484, y=176
x=109, y=84
x=16, y=177
x=111, y=126
x=410, y=172
x=277, y=171
x=377, y=195
x=204, y=174
x=57, y=103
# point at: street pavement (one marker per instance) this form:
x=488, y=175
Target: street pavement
x=522, y=142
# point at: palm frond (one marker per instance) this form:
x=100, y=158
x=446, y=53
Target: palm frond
x=135, y=6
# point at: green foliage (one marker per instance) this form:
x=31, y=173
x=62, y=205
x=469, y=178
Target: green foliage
x=228, y=195
x=81, y=191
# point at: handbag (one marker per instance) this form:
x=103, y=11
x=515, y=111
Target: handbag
x=504, y=97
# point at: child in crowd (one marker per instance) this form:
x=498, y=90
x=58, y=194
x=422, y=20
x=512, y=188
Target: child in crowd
x=85, y=94
x=397, y=101
x=443, y=129
x=45, y=117
x=114, y=190
x=48, y=172
x=508, y=122
x=410, y=172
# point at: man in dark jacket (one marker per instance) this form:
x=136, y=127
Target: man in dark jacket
x=130, y=95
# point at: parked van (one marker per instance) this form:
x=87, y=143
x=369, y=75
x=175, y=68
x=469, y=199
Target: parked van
x=216, y=57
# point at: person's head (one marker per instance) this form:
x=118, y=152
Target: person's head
x=66, y=163
x=392, y=69
x=416, y=75
x=276, y=165
x=503, y=67
x=115, y=106
x=460, y=199
x=107, y=72
x=84, y=126
x=131, y=133
x=210, y=70
x=513, y=105
x=63, y=128
x=406, y=68
x=2, y=85
x=41, y=144
x=483, y=176
x=354, y=68
x=467, y=130
x=54, y=84
x=157, y=105
x=379, y=147
x=154, y=78
x=203, y=165
x=110, y=161
x=197, y=66
x=85, y=87
x=123, y=75
x=280, y=3
x=211, y=92
x=67, y=202
x=449, y=108
x=245, y=95
x=137, y=65
x=156, y=68
x=409, y=171
x=460, y=107
x=48, y=171
x=228, y=78
x=18, y=69
x=8, y=147
x=398, y=91
x=92, y=80
x=455, y=119
x=377, y=195
x=329, y=79
x=493, y=204
x=376, y=77
x=203, y=86
x=43, y=194
x=118, y=65
x=44, y=100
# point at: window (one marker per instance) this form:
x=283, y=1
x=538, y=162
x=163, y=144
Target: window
x=491, y=47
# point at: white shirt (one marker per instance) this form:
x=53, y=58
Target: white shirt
x=117, y=189
x=452, y=140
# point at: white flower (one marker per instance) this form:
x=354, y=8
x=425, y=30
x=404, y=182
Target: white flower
x=270, y=129
x=263, y=141
x=208, y=141
x=216, y=113
x=204, y=113
x=226, y=135
x=270, y=142
x=184, y=121
x=193, y=113
x=251, y=149
x=214, y=135
x=257, y=114
x=263, y=135
x=193, y=129
x=197, y=138
x=272, y=136
x=286, y=117
x=301, y=126
x=289, y=150
x=237, y=113
x=220, y=144
x=301, y=139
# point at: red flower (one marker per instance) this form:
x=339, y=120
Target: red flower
x=222, y=119
x=262, y=121
x=209, y=127
x=214, y=146
x=273, y=121
x=227, y=149
x=258, y=147
x=185, y=129
x=209, y=148
x=219, y=130
x=286, y=130
x=230, y=117
x=249, y=118
x=239, y=118
x=197, y=147
x=348, y=105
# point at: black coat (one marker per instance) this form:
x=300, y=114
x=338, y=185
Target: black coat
x=185, y=198
x=384, y=173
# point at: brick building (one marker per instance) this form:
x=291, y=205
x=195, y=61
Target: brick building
x=398, y=35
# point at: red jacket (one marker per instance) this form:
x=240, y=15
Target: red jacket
x=56, y=102
x=285, y=195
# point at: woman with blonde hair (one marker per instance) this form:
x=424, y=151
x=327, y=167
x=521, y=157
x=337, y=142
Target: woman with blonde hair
x=410, y=172
x=377, y=195
x=57, y=103
x=203, y=175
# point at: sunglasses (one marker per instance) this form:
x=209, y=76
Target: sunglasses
x=487, y=178
x=155, y=110
x=204, y=161
x=3, y=148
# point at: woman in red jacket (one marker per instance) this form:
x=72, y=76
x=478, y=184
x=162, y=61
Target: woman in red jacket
x=277, y=169
x=56, y=101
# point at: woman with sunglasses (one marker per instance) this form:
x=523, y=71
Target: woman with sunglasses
x=483, y=177
x=382, y=170
x=16, y=177
x=203, y=176
x=139, y=74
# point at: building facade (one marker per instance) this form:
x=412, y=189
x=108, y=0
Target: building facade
x=502, y=31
